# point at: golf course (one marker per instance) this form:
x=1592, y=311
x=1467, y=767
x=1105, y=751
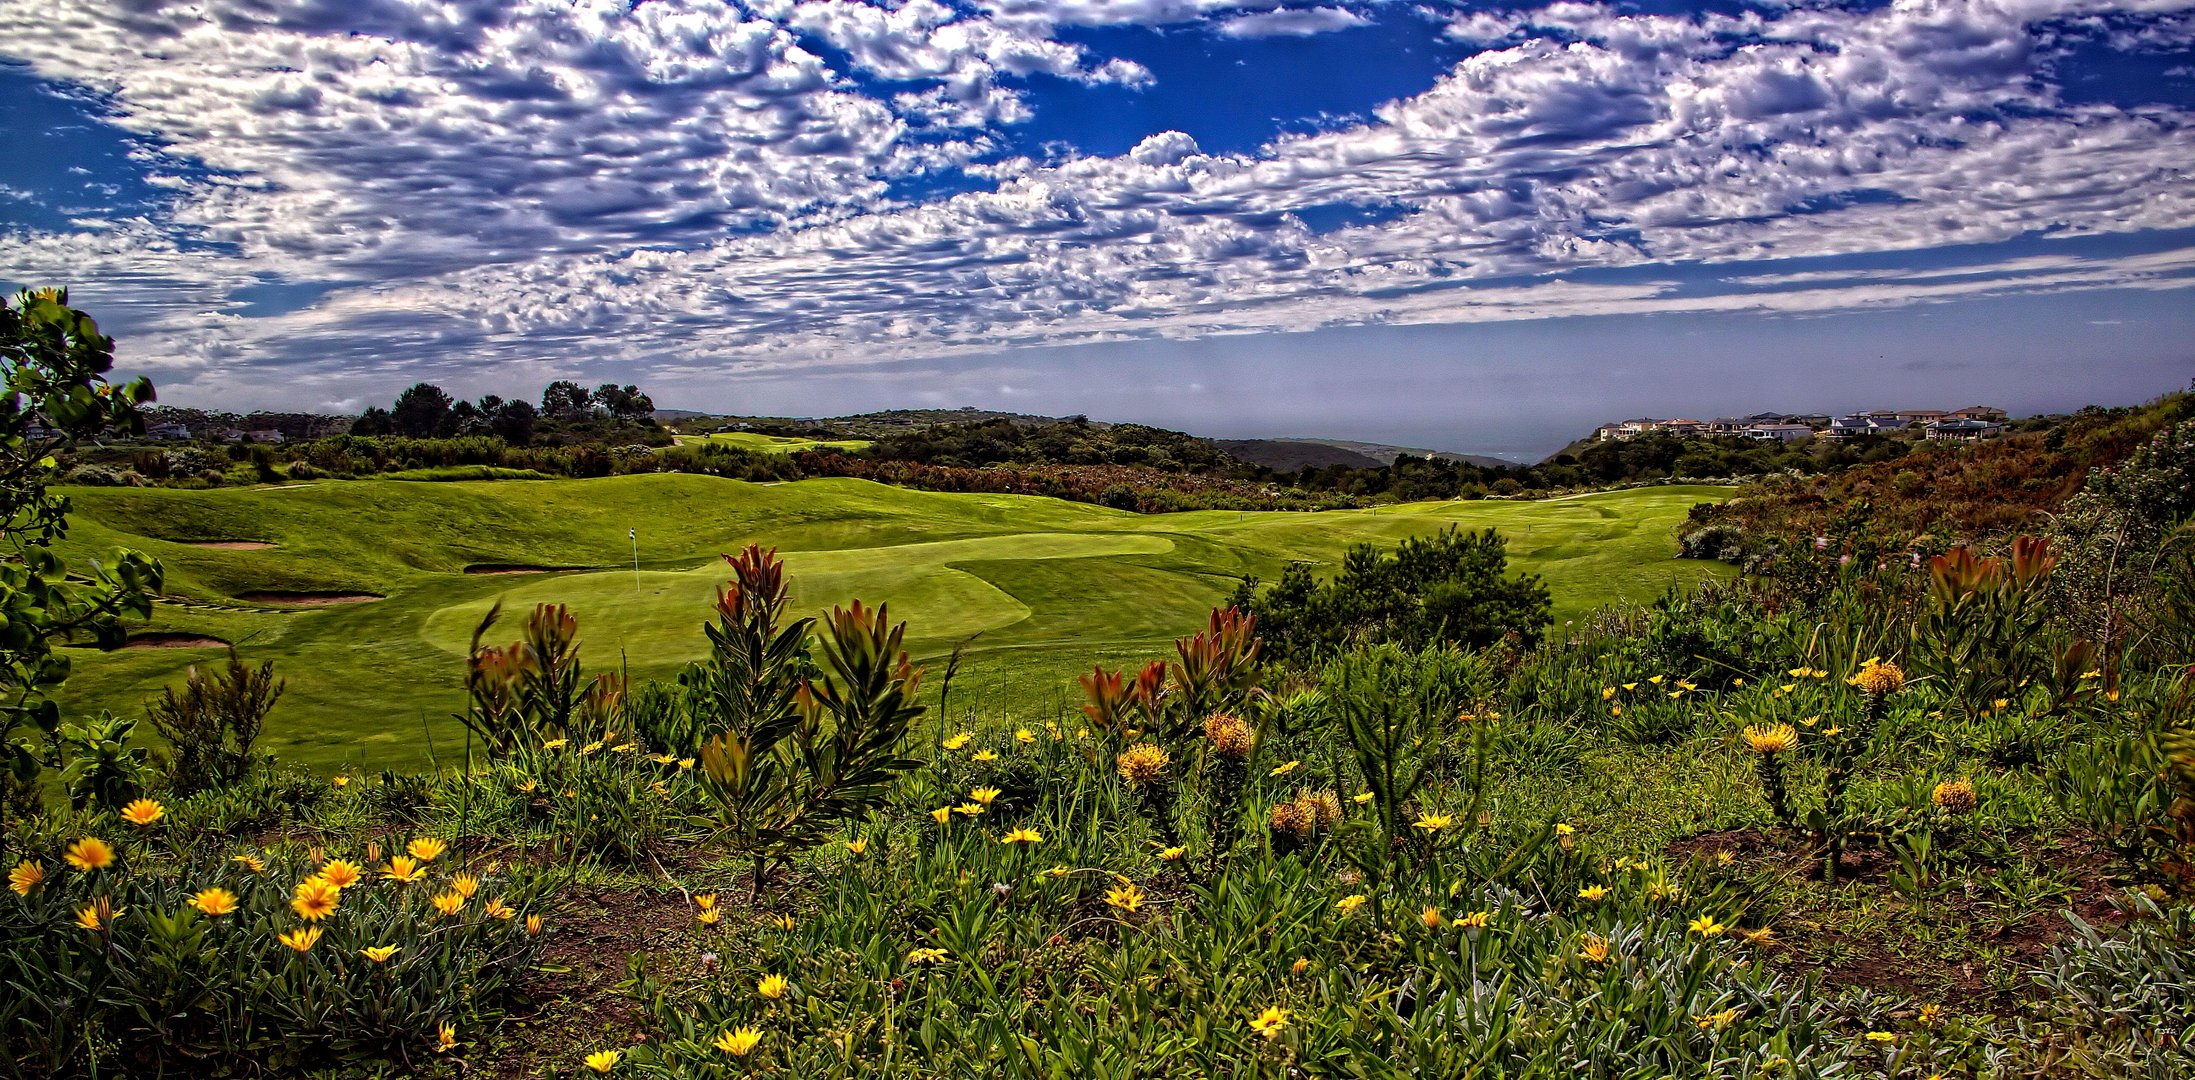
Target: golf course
x=365, y=592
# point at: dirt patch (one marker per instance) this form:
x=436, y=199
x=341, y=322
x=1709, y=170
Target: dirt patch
x=519, y=568
x=229, y=545
x=306, y=599
x=164, y=639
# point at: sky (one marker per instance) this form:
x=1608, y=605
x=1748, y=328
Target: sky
x=1471, y=227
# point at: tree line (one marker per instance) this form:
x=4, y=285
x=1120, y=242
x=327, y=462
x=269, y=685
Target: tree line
x=426, y=411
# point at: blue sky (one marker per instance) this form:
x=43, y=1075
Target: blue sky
x=1475, y=227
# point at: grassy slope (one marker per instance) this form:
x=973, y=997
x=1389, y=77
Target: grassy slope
x=1051, y=586
x=774, y=444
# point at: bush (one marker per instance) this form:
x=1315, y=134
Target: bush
x=211, y=725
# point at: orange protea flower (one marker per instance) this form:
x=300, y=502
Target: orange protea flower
x=216, y=902
x=426, y=849
x=301, y=939
x=1877, y=678
x=466, y=885
x=90, y=853
x=342, y=873
x=1955, y=796
x=449, y=903
x=25, y=877
x=1229, y=735
x=143, y=812
x=402, y=868
x=315, y=899
x=1771, y=739
x=1142, y=764
x=1288, y=817
x=98, y=915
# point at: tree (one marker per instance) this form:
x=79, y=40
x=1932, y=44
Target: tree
x=513, y=422
x=564, y=400
x=422, y=412
x=623, y=402
x=374, y=421
x=55, y=363
x=1451, y=588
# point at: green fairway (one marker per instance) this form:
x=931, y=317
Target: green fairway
x=774, y=444
x=1044, y=588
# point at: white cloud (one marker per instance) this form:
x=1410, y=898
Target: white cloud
x=1293, y=22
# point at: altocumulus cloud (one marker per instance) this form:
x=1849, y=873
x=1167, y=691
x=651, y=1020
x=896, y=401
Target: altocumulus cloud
x=691, y=188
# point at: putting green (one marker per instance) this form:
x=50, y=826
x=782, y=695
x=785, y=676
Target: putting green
x=1037, y=589
x=774, y=444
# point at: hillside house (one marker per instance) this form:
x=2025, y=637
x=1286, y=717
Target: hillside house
x=1965, y=430
x=168, y=432
x=1920, y=416
x=1780, y=432
x=263, y=435
x=1987, y=413
x=1684, y=427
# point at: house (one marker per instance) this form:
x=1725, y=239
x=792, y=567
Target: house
x=1683, y=427
x=168, y=432
x=1728, y=425
x=1965, y=430
x=1780, y=432
x=232, y=435
x=263, y=435
x=1629, y=429
x=1920, y=416
x=1989, y=413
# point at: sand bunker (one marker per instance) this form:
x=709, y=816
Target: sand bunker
x=163, y=639
x=229, y=545
x=519, y=568
x=305, y=599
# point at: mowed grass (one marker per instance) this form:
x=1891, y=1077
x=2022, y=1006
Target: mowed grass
x=1038, y=589
x=774, y=444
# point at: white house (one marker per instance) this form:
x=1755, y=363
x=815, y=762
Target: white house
x=1780, y=432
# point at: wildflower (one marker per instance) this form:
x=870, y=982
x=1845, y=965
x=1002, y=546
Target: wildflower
x=402, y=868
x=1593, y=948
x=252, y=863
x=380, y=954
x=1302, y=964
x=1284, y=768
x=1877, y=679
x=300, y=939
x=1360, y=798
x=857, y=847
x=984, y=755
x=1022, y=836
x=533, y=926
x=1771, y=739
x=555, y=744
x=1322, y=808
x=1630, y=686
x=339, y=781
x=1127, y=898
x=342, y=873
x=1881, y=1037
x=1592, y=892
x=1762, y=936
x=1797, y=672
x=590, y=748
x=942, y=814
x=1474, y=921
x=90, y=853
x=1607, y=692
x=1430, y=917
x=1172, y=854
x=1930, y=1014
x=1348, y=905
x=603, y=1061
x=1833, y=731
x=499, y=910
x=215, y=902
x=1288, y=817
x=739, y=1043
x=98, y=915
x=466, y=885
x=1433, y=822
x=1565, y=829
x=25, y=877
x=708, y=916
x=685, y=763
x=1270, y=1022
x=1229, y=736
x=449, y=903
x=970, y=809
x=1955, y=796
x=445, y=1037
x=1024, y=735
x=143, y=812
x=1656, y=680
x=426, y=849
x=772, y=986
x=925, y=956
x=315, y=899
x=1718, y=1021
x=957, y=741
x=623, y=748
x=984, y=795
x=1706, y=926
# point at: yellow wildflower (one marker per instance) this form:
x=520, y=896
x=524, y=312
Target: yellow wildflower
x=98, y=915
x=252, y=863
x=25, y=877
x=1348, y=905
x=300, y=939
x=449, y=903
x=1593, y=948
x=1127, y=898
x=1270, y=1022
x=957, y=741
x=1360, y=798
x=426, y=849
x=603, y=1061
x=1430, y=917
x=1877, y=679
x=1172, y=854
x=402, y=868
x=466, y=885
x=90, y=853
x=1706, y=926
x=499, y=910
x=857, y=847
x=143, y=812
x=984, y=795
x=342, y=873
x=1284, y=768
x=1771, y=739
x=215, y=902
x=984, y=755
x=1474, y=921
x=1023, y=836
x=445, y=1037
x=380, y=954
x=1593, y=892
x=740, y=1042
x=1433, y=822
x=942, y=814
x=772, y=986
x=314, y=899
x=1024, y=735
x=533, y=926
x=925, y=956
x=1881, y=1037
